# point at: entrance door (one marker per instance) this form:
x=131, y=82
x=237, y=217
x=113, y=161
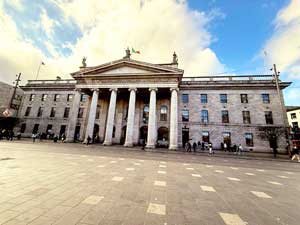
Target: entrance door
x=77, y=133
x=62, y=130
x=123, y=135
x=185, y=136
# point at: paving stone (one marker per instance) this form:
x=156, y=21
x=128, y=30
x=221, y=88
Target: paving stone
x=157, y=209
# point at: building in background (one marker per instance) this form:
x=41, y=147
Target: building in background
x=293, y=115
x=9, y=105
x=130, y=102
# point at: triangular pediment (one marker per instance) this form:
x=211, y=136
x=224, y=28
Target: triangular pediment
x=125, y=67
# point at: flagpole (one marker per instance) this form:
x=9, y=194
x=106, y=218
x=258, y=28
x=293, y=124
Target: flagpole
x=38, y=71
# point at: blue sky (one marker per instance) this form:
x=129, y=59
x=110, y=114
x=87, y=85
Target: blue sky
x=209, y=36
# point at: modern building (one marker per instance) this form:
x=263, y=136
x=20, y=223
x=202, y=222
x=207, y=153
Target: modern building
x=293, y=115
x=127, y=102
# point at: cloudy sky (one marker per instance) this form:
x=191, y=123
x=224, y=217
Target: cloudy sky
x=209, y=36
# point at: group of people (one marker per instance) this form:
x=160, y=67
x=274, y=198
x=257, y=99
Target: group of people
x=43, y=136
x=237, y=149
x=8, y=135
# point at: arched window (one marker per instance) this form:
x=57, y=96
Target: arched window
x=163, y=113
x=145, y=114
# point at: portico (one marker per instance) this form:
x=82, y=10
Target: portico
x=133, y=94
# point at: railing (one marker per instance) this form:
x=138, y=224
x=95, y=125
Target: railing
x=229, y=78
x=43, y=82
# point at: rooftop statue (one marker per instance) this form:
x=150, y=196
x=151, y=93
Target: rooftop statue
x=84, y=62
x=175, y=58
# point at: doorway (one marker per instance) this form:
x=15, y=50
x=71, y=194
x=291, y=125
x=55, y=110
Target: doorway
x=123, y=135
x=185, y=136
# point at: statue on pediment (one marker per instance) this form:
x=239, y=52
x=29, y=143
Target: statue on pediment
x=127, y=56
x=175, y=58
x=84, y=61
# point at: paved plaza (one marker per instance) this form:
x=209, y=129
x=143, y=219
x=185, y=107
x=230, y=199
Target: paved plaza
x=68, y=184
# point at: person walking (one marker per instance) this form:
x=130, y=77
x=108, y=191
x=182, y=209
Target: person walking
x=225, y=146
x=240, y=149
x=295, y=153
x=33, y=137
x=194, y=147
x=210, y=147
x=88, y=140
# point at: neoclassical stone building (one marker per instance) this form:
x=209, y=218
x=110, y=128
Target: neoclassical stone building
x=128, y=101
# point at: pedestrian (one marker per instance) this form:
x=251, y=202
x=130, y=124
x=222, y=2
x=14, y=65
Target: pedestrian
x=295, y=153
x=225, y=146
x=202, y=146
x=63, y=137
x=199, y=144
x=33, y=137
x=240, y=149
x=88, y=140
x=11, y=135
x=194, y=146
x=274, y=147
x=143, y=144
x=210, y=147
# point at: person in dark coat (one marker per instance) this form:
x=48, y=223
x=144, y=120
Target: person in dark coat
x=88, y=140
x=295, y=153
x=194, y=146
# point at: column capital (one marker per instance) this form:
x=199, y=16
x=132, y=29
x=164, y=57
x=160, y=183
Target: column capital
x=153, y=89
x=113, y=89
x=95, y=89
x=132, y=89
x=174, y=89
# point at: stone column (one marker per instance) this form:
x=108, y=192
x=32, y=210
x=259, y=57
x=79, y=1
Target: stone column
x=110, y=117
x=152, y=127
x=73, y=116
x=92, y=115
x=130, y=118
x=173, y=144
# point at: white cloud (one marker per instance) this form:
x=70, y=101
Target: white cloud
x=16, y=4
x=156, y=28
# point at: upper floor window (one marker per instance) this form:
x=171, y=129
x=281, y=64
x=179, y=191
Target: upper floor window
x=225, y=116
x=70, y=97
x=295, y=125
x=27, y=112
x=53, y=111
x=269, y=117
x=163, y=113
x=40, y=111
x=185, y=98
x=265, y=98
x=145, y=114
x=56, y=97
x=83, y=97
x=185, y=115
x=246, y=117
x=44, y=97
x=80, y=112
x=66, y=112
x=204, y=116
x=244, y=98
x=293, y=116
x=249, y=139
x=203, y=98
x=31, y=98
x=223, y=98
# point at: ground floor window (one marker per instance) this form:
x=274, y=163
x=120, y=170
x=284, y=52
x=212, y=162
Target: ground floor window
x=205, y=136
x=227, y=138
x=249, y=139
x=23, y=128
x=35, y=128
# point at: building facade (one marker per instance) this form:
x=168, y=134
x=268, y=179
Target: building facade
x=129, y=102
x=293, y=115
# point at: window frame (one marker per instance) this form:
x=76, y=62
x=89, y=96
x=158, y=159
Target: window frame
x=163, y=116
x=269, y=117
x=249, y=141
x=222, y=99
x=246, y=118
x=227, y=116
x=244, y=98
x=265, y=100
x=185, y=98
x=204, y=117
x=44, y=97
x=185, y=117
x=203, y=98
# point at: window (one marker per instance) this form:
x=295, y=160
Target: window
x=244, y=98
x=185, y=115
x=98, y=112
x=163, y=113
x=293, y=116
x=295, y=126
x=53, y=111
x=27, y=112
x=69, y=97
x=269, y=117
x=185, y=98
x=203, y=98
x=146, y=114
x=204, y=116
x=40, y=111
x=83, y=97
x=205, y=136
x=223, y=98
x=265, y=98
x=44, y=97
x=31, y=98
x=246, y=117
x=249, y=139
x=114, y=132
x=66, y=112
x=227, y=138
x=23, y=128
x=225, y=116
x=56, y=97
x=80, y=113
x=35, y=128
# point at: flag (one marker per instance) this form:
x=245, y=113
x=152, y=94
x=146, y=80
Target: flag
x=134, y=51
x=42, y=63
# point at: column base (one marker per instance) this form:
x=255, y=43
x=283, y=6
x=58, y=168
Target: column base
x=150, y=146
x=107, y=143
x=128, y=145
x=173, y=147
